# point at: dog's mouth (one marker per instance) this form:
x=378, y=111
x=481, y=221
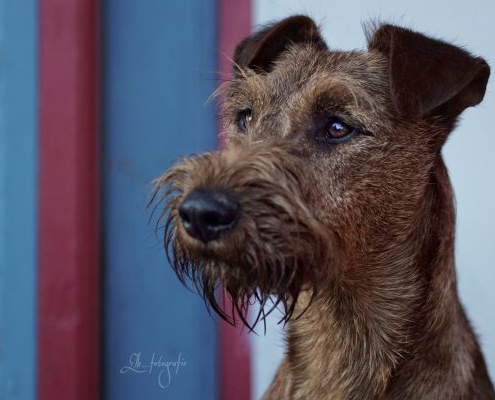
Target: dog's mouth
x=244, y=227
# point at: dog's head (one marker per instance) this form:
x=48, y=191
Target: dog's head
x=328, y=159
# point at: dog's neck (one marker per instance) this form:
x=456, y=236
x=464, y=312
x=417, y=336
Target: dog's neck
x=354, y=339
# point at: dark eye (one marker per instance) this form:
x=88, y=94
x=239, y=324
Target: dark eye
x=335, y=131
x=243, y=119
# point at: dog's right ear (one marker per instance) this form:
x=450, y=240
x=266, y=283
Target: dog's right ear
x=260, y=50
x=428, y=76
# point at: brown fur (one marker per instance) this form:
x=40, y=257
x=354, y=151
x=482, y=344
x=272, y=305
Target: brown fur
x=356, y=239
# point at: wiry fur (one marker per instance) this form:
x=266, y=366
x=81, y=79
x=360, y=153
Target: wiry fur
x=257, y=259
x=355, y=238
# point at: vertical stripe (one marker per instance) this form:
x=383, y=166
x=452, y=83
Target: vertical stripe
x=159, y=60
x=235, y=372
x=68, y=319
x=18, y=173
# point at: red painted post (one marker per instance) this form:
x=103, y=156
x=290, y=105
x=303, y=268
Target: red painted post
x=69, y=290
x=235, y=369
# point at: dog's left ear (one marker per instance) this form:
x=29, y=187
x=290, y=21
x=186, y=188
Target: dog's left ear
x=260, y=50
x=428, y=76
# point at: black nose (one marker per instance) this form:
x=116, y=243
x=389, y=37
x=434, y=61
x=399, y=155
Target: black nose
x=207, y=213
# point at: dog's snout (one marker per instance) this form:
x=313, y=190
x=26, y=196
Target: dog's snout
x=206, y=213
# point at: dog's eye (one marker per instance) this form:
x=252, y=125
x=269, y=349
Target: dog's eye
x=335, y=131
x=243, y=119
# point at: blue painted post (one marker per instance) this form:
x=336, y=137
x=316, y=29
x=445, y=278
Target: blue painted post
x=18, y=172
x=159, y=68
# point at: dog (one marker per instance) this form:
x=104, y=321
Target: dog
x=331, y=196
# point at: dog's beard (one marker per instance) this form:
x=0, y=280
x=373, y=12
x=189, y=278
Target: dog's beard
x=270, y=274
x=276, y=251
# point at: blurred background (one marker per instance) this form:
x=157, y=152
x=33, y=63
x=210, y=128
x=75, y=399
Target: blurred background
x=97, y=98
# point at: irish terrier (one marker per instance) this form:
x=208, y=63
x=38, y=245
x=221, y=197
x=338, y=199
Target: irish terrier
x=332, y=197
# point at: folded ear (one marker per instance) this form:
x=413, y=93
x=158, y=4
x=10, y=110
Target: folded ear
x=428, y=76
x=260, y=50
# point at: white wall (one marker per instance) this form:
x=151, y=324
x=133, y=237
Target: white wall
x=469, y=154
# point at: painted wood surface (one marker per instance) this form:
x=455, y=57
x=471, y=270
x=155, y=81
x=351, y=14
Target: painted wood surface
x=18, y=189
x=68, y=281
x=159, y=70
